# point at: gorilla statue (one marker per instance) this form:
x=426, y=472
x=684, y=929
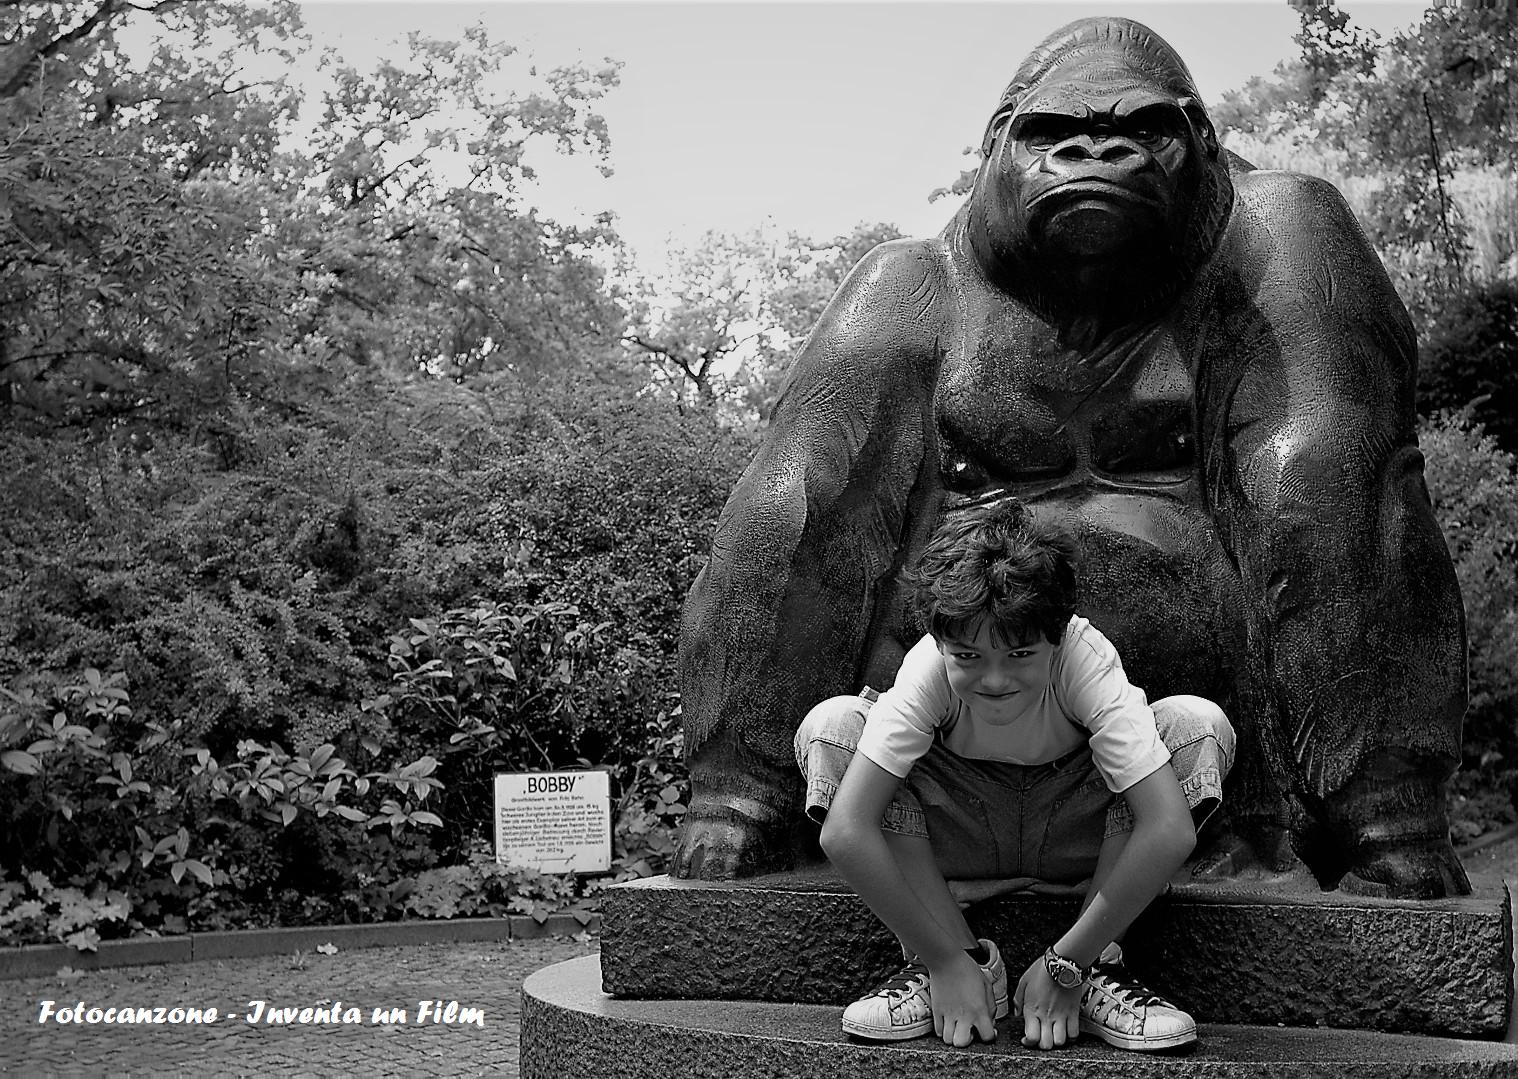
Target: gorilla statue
x=1202, y=370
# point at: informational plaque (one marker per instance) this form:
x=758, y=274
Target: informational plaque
x=554, y=822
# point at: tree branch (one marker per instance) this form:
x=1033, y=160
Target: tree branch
x=1450, y=247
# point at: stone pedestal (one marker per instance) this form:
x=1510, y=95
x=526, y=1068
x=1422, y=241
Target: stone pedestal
x=571, y=1028
x=747, y=978
x=1257, y=955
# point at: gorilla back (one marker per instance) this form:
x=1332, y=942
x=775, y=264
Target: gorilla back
x=1199, y=367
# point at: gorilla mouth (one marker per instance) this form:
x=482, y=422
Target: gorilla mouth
x=1093, y=191
x=1093, y=218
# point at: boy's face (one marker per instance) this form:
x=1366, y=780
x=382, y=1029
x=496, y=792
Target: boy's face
x=997, y=679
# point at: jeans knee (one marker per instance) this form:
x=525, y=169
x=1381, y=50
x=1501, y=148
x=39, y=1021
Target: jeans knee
x=839, y=720
x=1185, y=718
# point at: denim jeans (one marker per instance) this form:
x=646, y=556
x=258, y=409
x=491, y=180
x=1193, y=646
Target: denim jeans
x=992, y=819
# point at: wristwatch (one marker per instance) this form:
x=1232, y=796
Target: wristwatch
x=1067, y=973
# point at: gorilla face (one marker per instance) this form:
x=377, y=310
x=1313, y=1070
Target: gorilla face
x=1092, y=186
x=1103, y=190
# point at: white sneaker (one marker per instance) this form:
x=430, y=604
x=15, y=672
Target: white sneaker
x=1121, y=1011
x=901, y=1007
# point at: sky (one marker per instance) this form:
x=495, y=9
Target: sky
x=808, y=117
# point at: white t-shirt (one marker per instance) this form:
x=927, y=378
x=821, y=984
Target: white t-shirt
x=1088, y=699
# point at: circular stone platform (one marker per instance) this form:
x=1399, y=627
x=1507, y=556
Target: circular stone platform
x=570, y=1027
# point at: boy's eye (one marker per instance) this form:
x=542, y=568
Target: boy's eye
x=966, y=657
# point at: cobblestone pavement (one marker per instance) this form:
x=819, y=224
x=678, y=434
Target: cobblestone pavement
x=485, y=977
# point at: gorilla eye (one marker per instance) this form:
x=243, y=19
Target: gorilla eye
x=1154, y=125
x=1041, y=132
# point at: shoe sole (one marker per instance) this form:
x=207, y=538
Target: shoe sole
x=1138, y=1042
x=875, y=1034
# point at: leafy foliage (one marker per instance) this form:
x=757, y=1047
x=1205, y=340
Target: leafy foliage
x=1469, y=361
x=335, y=623
x=1415, y=119
x=157, y=244
x=720, y=325
x=1474, y=487
x=153, y=827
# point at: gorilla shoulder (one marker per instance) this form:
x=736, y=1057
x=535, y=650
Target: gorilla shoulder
x=892, y=302
x=904, y=263
x=1307, y=204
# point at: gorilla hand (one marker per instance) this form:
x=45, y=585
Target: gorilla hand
x=718, y=841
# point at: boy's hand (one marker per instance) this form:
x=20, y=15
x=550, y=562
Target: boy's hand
x=963, y=1004
x=1051, y=1015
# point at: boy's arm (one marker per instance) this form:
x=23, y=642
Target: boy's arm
x=1163, y=836
x=853, y=841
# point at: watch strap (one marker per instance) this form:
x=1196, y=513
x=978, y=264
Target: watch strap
x=1067, y=973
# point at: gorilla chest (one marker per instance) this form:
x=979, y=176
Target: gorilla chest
x=1014, y=406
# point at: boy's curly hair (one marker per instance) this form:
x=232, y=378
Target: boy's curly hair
x=996, y=561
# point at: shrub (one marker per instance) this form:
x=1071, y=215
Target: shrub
x=338, y=578
x=148, y=832
x=1470, y=360
x=1474, y=487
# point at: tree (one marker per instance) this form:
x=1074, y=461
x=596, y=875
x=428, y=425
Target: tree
x=123, y=273
x=690, y=323
x=157, y=240
x=414, y=184
x=1425, y=123
x=721, y=323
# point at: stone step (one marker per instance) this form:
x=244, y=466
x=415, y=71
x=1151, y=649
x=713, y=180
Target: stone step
x=571, y=1028
x=1262, y=954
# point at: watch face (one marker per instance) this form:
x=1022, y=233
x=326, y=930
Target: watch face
x=1065, y=973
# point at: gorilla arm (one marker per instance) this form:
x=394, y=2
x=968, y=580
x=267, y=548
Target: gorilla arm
x=779, y=618
x=1316, y=481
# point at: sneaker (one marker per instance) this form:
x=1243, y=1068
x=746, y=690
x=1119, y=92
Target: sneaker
x=901, y=1007
x=1122, y=1011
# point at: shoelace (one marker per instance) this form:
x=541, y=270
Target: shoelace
x=1128, y=989
x=902, y=982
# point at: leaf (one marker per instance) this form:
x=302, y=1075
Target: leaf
x=424, y=816
x=200, y=869
x=19, y=761
x=86, y=940
x=349, y=813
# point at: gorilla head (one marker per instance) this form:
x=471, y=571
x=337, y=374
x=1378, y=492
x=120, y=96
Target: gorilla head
x=1103, y=188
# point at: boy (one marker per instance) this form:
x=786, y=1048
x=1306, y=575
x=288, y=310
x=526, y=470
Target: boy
x=1011, y=744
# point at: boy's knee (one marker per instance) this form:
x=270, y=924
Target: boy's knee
x=1184, y=718
x=839, y=720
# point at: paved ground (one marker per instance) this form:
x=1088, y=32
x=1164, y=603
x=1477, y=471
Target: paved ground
x=485, y=977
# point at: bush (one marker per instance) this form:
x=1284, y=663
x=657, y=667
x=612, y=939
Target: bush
x=336, y=579
x=148, y=833
x=1470, y=360
x=1474, y=487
